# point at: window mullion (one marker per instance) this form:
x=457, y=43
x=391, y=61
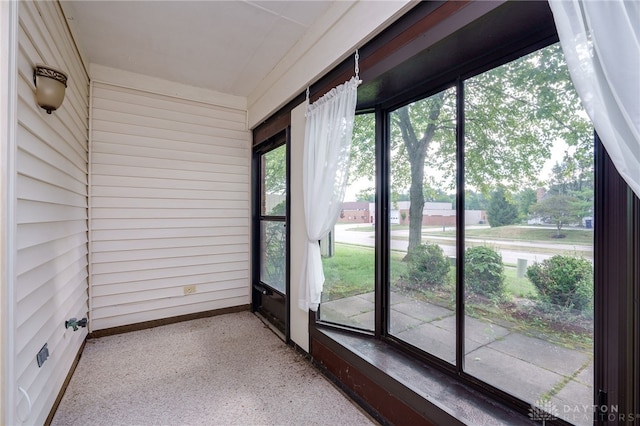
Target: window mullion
x=460, y=223
x=382, y=223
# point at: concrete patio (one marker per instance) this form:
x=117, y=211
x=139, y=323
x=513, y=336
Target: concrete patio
x=526, y=366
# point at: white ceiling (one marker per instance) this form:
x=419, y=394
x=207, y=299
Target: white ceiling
x=226, y=46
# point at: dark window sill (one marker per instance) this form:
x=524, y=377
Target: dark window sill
x=435, y=396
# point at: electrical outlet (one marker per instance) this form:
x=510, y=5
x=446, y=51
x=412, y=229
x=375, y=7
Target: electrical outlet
x=42, y=355
x=189, y=289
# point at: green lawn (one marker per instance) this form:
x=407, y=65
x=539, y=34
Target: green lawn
x=351, y=271
x=372, y=229
x=518, y=287
x=515, y=233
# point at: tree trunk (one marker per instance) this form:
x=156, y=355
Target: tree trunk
x=417, y=151
x=416, y=198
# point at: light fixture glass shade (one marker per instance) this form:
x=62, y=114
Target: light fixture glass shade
x=50, y=86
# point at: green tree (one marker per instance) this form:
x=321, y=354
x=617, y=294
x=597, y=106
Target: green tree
x=434, y=194
x=475, y=200
x=559, y=209
x=363, y=154
x=573, y=177
x=524, y=200
x=367, y=194
x=501, y=211
x=513, y=115
x=574, y=174
x=415, y=145
x=583, y=204
x=274, y=165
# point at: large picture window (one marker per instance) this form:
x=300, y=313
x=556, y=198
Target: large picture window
x=488, y=262
x=528, y=272
x=422, y=142
x=348, y=252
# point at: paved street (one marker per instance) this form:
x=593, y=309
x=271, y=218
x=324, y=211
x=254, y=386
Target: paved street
x=399, y=242
x=526, y=366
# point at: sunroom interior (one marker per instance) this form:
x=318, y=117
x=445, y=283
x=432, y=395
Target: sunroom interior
x=170, y=186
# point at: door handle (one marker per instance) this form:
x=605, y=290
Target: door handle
x=262, y=290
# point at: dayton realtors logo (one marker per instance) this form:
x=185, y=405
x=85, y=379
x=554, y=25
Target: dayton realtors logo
x=543, y=410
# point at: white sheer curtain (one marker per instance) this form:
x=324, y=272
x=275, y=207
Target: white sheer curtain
x=601, y=43
x=327, y=145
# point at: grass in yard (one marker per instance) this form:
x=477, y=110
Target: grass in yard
x=516, y=233
x=371, y=228
x=519, y=287
x=351, y=271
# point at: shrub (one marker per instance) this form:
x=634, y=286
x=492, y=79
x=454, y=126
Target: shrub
x=484, y=272
x=427, y=266
x=564, y=281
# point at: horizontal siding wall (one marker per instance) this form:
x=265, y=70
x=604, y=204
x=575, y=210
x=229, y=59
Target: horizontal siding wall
x=51, y=213
x=169, y=203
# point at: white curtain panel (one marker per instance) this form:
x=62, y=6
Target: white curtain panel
x=327, y=146
x=601, y=43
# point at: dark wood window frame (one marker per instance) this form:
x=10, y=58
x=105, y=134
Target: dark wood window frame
x=278, y=135
x=382, y=300
x=418, y=55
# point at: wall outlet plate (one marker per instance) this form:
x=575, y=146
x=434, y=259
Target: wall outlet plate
x=42, y=355
x=189, y=289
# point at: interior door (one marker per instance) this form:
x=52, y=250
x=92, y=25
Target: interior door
x=270, y=231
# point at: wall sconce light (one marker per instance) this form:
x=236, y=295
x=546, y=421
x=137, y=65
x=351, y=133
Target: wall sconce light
x=50, y=85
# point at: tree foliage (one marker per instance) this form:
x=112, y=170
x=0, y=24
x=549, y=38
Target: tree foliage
x=414, y=147
x=513, y=116
x=524, y=200
x=501, y=212
x=559, y=209
x=368, y=194
x=275, y=171
x=363, y=155
x=573, y=178
x=475, y=200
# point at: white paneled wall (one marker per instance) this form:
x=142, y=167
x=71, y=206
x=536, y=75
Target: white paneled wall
x=51, y=213
x=169, y=206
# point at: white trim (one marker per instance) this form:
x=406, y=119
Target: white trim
x=72, y=28
x=331, y=39
x=89, y=226
x=144, y=83
x=8, y=128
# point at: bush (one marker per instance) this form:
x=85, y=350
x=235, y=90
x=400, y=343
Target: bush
x=564, y=281
x=427, y=266
x=483, y=272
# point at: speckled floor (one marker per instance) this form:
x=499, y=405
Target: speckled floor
x=224, y=370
